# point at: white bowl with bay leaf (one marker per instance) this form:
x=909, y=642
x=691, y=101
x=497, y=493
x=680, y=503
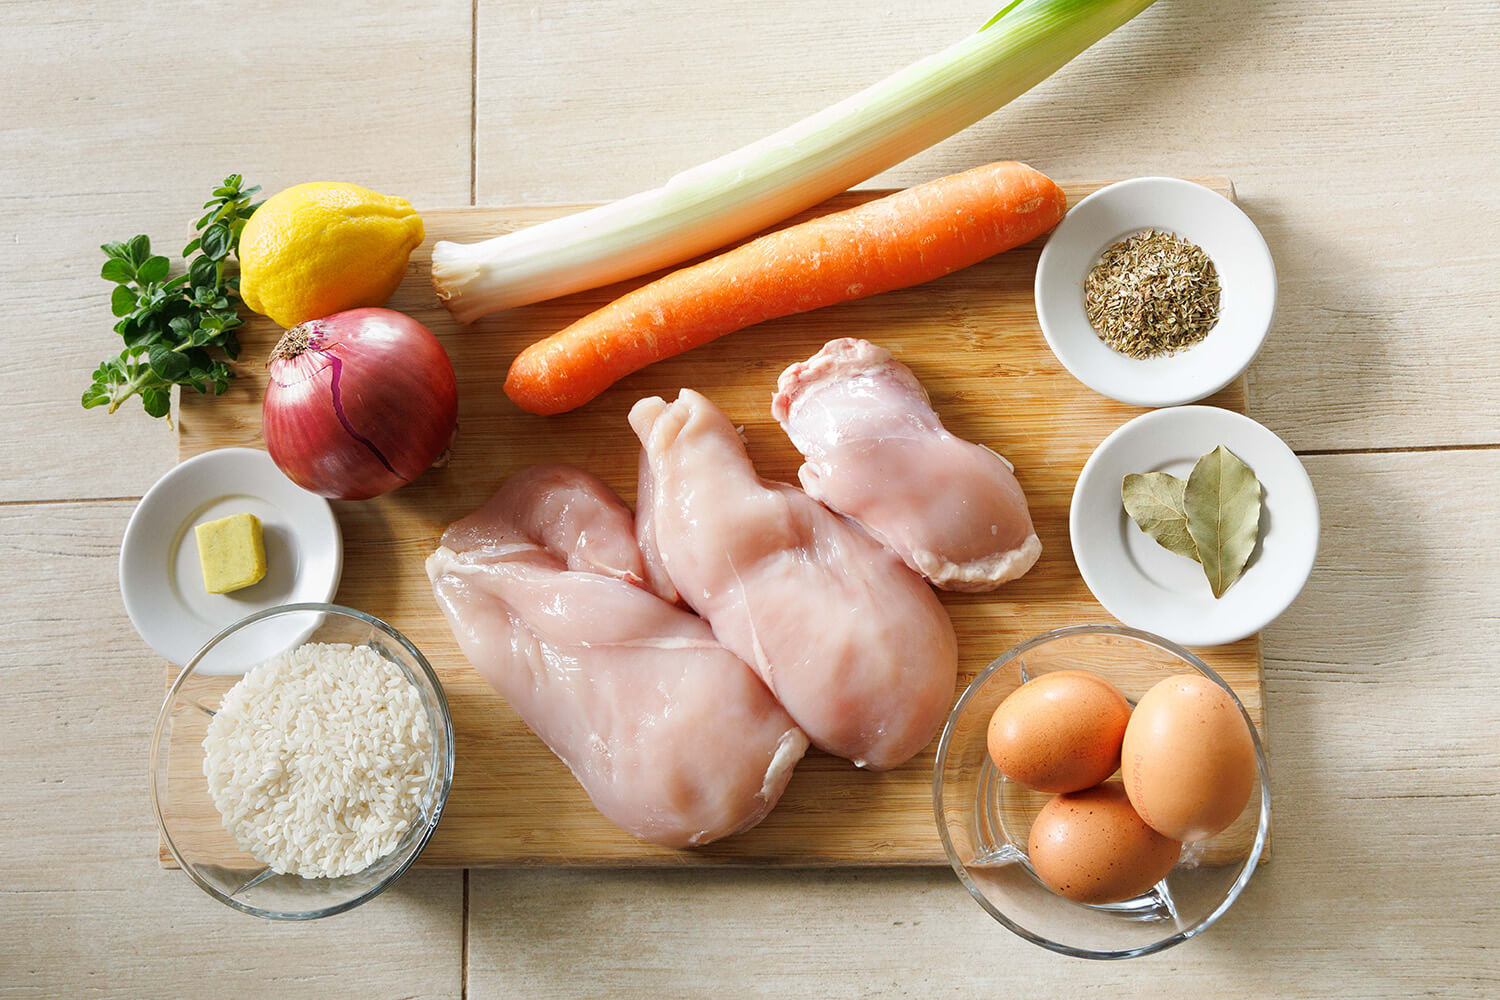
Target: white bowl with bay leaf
x=1155, y=291
x=1182, y=503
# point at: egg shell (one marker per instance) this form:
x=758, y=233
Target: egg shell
x=1188, y=762
x=1059, y=732
x=1092, y=847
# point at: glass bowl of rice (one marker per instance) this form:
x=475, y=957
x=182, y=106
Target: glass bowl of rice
x=301, y=761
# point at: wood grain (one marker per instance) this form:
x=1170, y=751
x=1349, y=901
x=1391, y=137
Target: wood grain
x=85, y=911
x=972, y=339
x=121, y=117
x=1386, y=786
x=1361, y=139
x=1353, y=130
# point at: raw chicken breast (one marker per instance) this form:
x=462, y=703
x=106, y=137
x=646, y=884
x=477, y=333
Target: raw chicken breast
x=673, y=737
x=876, y=452
x=854, y=644
x=562, y=510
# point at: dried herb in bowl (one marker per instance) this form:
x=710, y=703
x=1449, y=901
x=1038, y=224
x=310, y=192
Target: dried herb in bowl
x=1152, y=295
x=1212, y=517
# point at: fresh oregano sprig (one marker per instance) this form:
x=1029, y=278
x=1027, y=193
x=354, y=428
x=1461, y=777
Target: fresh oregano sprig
x=177, y=330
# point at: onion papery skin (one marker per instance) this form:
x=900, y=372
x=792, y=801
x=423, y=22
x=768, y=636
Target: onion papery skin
x=358, y=403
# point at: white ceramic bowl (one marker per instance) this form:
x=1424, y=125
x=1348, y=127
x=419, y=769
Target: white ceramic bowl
x=1247, y=282
x=161, y=580
x=1148, y=587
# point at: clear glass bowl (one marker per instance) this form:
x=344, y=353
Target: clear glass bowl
x=190, y=824
x=984, y=819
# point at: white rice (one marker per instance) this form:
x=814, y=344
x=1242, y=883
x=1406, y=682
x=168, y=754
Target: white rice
x=317, y=759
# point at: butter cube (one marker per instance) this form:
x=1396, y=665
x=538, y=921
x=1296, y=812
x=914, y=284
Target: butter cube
x=232, y=552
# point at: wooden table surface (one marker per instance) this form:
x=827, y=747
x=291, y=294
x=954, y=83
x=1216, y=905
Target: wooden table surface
x=1362, y=139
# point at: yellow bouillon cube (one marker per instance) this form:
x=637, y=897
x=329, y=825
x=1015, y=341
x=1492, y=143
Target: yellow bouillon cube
x=232, y=552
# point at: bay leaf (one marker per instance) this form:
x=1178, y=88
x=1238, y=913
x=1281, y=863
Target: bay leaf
x=1154, y=501
x=1222, y=499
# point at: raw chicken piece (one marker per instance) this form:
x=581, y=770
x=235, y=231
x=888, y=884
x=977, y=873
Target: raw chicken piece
x=645, y=533
x=855, y=645
x=876, y=452
x=673, y=737
x=560, y=509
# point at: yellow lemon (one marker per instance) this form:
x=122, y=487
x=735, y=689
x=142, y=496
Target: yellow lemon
x=317, y=249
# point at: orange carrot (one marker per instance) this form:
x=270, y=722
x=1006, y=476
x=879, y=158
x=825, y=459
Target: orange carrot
x=903, y=239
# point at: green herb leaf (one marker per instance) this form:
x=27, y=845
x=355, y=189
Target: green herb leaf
x=167, y=364
x=182, y=326
x=172, y=326
x=1154, y=501
x=1222, y=499
x=157, y=400
x=138, y=335
x=153, y=270
x=122, y=300
x=215, y=241
x=202, y=272
x=139, y=248
x=117, y=270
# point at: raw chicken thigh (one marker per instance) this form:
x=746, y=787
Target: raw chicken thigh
x=673, y=737
x=854, y=644
x=876, y=452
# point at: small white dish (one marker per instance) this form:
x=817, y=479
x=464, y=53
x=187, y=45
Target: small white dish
x=161, y=579
x=1247, y=282
x=1148, y=587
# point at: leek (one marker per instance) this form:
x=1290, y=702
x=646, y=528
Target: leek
x=760, y=184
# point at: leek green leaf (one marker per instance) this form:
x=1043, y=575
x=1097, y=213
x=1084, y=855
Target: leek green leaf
x=1222, y=499
x=1154, y=501
x=727, y=199
x=999, y=14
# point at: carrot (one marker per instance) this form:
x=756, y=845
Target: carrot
x=902, y=239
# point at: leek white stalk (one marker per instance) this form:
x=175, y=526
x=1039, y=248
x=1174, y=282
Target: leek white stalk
x=760, y=184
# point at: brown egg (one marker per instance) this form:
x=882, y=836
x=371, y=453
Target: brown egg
x=1091, y=847
x=1188, y=762
x=1059, y=732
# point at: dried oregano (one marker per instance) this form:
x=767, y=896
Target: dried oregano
x=1152, y=294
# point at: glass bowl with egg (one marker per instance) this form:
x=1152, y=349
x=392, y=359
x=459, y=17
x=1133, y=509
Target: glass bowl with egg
x=1053, y=761
x=301, y=761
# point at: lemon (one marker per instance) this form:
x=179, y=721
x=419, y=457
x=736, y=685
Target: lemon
x=317, y=249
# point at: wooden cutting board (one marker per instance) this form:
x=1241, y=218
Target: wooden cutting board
x=972, y=339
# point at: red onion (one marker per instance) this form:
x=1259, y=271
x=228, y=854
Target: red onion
x=359, y=403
